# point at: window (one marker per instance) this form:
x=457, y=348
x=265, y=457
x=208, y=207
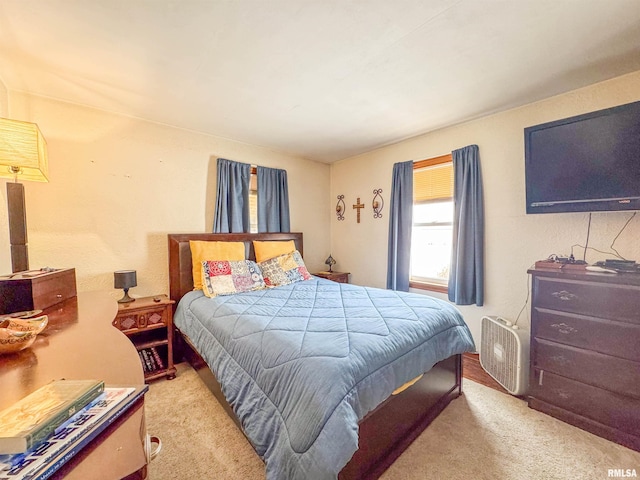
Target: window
x=432, y=232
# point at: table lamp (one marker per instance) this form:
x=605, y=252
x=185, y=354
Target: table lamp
x=23, y=155
x=125, y=279
x=330, y=261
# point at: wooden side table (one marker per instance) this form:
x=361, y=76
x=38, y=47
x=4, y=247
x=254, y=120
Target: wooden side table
x=340, y=277
x=148, y=322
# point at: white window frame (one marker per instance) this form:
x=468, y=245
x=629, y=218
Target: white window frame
x=429, y=283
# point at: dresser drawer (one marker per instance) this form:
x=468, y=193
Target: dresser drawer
x=611, y=373
x=36, y=290
x=617, y=411
x=605, y=336
x=611, y=301
x=133, y=320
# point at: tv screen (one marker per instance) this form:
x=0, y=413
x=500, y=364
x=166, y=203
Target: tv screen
x=585, y=163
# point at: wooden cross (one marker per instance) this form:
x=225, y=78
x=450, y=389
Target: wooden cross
x=358, y=205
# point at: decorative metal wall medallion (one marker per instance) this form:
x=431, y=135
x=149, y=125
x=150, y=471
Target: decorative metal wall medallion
x=377, y=203
x=340, y=207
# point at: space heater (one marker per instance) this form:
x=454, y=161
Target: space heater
x=504, y=353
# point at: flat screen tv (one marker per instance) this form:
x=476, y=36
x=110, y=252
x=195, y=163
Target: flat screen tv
x=585, y=163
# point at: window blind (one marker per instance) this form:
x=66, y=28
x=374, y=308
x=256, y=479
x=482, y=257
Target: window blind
x=433, y=183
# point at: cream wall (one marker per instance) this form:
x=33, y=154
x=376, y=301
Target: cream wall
x=4, y=216
x=4, y=99
x=514, y=240
x=118, y=185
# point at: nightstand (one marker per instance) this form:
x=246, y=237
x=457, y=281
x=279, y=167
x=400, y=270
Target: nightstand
x=340, y=277
x=148, y=322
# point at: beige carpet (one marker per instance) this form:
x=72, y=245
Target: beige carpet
x=484, y=434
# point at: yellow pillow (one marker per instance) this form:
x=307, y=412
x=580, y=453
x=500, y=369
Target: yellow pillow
x=268, y=250
x=201, y=251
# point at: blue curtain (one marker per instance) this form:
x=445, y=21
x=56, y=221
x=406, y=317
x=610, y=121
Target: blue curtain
x=232, y=200
x=400, y=224
x=273, y=200
x=466, y=277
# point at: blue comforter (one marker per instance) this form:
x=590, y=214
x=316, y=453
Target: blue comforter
x=301, y=364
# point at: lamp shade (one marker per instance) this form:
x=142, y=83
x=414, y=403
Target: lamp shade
x=23, y=151
x=124, y=279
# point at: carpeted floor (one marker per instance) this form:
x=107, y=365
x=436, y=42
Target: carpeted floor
x=484, y=434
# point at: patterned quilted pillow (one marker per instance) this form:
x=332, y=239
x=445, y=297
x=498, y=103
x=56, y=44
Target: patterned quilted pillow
x=222, y=277
x=285, y=269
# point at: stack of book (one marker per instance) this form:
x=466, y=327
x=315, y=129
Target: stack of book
x=36, y=416
x=151, y=360
x=41, y=432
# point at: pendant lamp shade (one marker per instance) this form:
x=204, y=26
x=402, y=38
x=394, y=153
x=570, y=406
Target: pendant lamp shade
x=23, y=151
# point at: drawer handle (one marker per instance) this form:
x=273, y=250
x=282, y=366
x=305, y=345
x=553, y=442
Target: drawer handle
x=564, y=328
x=58, y=296
x=560, y=359
x=564, y=295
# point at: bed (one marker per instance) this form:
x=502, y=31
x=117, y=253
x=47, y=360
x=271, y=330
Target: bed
x=388, y=423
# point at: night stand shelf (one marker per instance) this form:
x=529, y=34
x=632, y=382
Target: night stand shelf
x=153, y=343
x=148, y=322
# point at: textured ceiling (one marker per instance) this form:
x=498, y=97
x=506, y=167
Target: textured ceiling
x=323, y=79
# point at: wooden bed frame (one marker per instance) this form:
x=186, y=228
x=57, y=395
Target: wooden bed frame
x=386, y=431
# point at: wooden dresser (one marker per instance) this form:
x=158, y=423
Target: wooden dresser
x=80, y=343
x=585, y=351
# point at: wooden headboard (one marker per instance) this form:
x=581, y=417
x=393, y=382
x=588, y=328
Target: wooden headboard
x=180, y=270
